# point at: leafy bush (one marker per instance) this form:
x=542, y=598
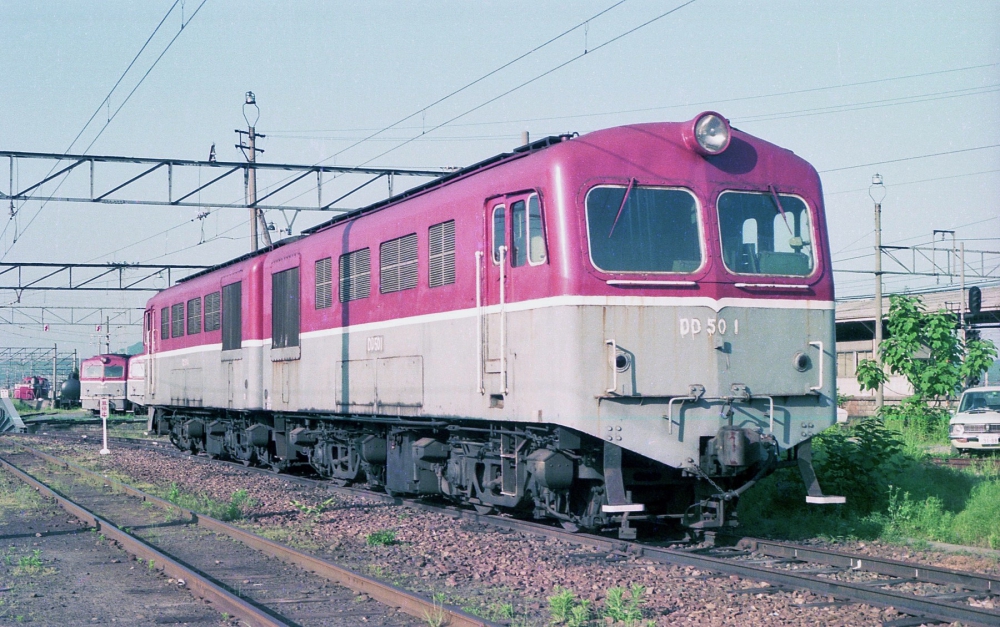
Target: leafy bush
x=857, y=461
x=915, y=420
x=891, y=493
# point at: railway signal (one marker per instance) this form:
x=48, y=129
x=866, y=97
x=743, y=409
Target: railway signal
x=975, y=300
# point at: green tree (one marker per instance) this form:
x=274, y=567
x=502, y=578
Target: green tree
x=926, y=348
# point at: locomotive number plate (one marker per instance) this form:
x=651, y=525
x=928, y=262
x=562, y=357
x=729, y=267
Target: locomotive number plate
x=710, y=326
x=374, y=344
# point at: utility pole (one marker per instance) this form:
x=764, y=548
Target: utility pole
x=55, y=374
x=107, y=336
x=250, y=151
x=961, y=311
x=877, y=194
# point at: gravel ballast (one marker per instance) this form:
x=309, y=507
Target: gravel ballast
x=501, y=575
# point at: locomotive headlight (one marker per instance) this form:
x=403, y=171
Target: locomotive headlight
x=957, y=429
x=712, y=133
x=708, y=134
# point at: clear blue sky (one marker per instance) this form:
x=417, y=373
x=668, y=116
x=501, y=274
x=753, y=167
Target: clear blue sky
x=876, y=81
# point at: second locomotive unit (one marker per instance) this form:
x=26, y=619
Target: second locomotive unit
x=637, y=322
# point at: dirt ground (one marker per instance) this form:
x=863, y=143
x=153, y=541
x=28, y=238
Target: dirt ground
x=54, y=571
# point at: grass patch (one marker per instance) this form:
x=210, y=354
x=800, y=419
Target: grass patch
x=621, y=607
x=298, y=538
x=30, y=565
x=235, y=509
x=16, y=496
x=893, y=493
x=314, y=511
x=382, y=537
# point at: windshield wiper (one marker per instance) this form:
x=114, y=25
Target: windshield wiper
x=777, y=203
x=628, y=190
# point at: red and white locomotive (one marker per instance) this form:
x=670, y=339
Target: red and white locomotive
x=634, y=322
x=105, y=376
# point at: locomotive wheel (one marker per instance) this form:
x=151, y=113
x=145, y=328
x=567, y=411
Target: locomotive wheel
x=483, y=510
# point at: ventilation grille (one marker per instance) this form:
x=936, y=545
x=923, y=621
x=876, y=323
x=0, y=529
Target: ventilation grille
x=442, y=254
x=398, y=264
x=177, y=320
x=194, y=316
x=212, y=311
x=324, y=284
x=355, y=275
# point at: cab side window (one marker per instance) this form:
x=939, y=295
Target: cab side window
x=165, y=323
x=527, y=232
x=518, y=234
x=499, y=238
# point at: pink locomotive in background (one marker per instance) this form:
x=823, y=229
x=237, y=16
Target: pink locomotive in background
x=104, y=376
x=32, y=388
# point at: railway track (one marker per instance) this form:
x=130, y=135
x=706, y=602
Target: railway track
x=240, y=573
x=926, y=594
x=966, y=462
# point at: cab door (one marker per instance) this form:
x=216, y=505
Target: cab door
x=492, y=303
x=148, y=340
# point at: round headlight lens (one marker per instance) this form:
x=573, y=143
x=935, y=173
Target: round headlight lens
x=712, y=133
x=958, y=429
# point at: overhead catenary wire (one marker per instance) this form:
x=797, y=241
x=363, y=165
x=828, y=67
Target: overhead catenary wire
x=542, y=75
x=513, y=89
x=924, y=235
x=675, y=106
x=904, y=183
x=901, y=159
x=874, y=104
x=462, y=89
x=478, y=80
x=112, y=117
x=111, y=91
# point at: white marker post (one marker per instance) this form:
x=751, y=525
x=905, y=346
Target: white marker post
x=105, y=410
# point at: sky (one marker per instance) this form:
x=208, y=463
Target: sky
x=856, y=88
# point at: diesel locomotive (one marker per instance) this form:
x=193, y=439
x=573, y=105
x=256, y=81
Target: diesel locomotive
x=105, y=376
x=633, y=323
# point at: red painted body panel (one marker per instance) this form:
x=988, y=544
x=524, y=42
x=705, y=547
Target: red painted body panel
x=562, y=174
x=249, y=271
x=105, y=360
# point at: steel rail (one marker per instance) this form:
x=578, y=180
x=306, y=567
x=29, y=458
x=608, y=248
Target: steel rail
x=855, y=592
x=879, y=565
x=906, y=603
x=384, y=593
x=222, y=599
x=928, y=607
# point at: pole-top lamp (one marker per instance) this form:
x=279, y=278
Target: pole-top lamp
x=877, y=189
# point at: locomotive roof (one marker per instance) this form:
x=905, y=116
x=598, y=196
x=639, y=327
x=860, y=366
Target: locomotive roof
x=517, y=153
x=123, y=356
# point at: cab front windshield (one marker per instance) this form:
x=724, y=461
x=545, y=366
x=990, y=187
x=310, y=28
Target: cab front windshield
x=980, y=401
x=643, y=229
x=766, y=233
x=97, y=371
